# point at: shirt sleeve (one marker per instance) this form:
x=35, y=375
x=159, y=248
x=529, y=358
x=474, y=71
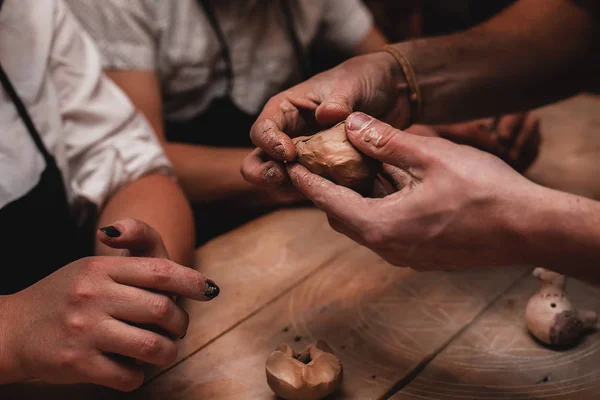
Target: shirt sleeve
x=345, y=23
x=107, y=143
x=125, y=31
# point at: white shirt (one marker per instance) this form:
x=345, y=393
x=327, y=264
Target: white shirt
x=175, y=39
x=84, y=120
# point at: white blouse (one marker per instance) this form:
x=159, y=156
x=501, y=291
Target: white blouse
x=91, y=128
x=175, y=39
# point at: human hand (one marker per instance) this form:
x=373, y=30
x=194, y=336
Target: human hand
x=371, y=83
x=514, y=138
x=453, y=206
x=82, y=323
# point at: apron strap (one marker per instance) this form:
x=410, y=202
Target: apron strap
x=22, y=110
x=301, y=58
x=211, y=14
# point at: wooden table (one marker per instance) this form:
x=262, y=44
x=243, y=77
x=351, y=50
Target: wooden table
x=289, y=278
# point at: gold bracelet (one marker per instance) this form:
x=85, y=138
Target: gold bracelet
x=414, y=95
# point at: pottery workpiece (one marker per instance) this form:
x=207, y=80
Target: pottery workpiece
x=550, y=315
x=330, y=154
x=310, y=375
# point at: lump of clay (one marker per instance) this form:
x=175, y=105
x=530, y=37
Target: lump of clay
x=330, y=154
x=310, y=375
x=551, y=317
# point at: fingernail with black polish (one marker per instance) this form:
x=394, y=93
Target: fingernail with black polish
x=111, y=231
x=212, y=290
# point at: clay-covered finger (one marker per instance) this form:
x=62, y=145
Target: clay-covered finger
x=143, y=307
x=164, y=276
x=259, y=169
x=117, y=337
x=528, y=136
x=278, y=119
x=134, y=235
x=336, y=201
x=508, y=128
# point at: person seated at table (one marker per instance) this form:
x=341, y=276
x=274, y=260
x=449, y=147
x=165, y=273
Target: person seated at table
x=74, y=153
x=452, y=206
x=201, y=70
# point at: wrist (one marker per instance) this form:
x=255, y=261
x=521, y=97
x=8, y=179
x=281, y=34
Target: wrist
x=10, y=369
x=395, y=80
x=561, y=231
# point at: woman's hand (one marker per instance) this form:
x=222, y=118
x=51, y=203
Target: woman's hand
x=84, y=323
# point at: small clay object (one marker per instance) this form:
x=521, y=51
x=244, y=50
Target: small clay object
x=311, y=374
x=330, y=154
x=551, y=317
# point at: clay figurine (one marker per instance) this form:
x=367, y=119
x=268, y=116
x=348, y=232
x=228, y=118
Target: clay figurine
x=551, y=317
x=312, y=374
x=330, y=154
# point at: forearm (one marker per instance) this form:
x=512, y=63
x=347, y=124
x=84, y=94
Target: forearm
x=209, y=174
x=10, y=370
x=533, y=53
x=561, y=231
x=160, y=202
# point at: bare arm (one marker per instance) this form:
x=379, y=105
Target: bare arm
x=206, y=174
x=373, y=41
x=158, y=201
x=533, y=53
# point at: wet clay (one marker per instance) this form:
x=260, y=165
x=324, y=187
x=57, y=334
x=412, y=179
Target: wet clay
x=312, y=374
x=330, y=154
x=550, y=315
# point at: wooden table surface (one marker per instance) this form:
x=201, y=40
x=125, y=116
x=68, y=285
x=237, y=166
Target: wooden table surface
x=289, y=278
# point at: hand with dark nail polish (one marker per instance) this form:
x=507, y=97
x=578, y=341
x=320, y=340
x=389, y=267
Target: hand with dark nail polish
x=111, y=231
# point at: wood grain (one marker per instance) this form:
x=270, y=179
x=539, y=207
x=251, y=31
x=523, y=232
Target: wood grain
x=380, y=320
x=496, y=358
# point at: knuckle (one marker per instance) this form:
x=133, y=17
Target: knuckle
x=161, y=307
x=75, y=324
x=68, y=359
x=129, y=381
x=137, y=227
x=376, y=236
x=80, y=293
x=160, y=270
x=150, y=347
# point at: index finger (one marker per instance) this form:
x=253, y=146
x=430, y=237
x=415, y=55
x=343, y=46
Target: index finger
x=163, y=275
x=267, y=133
x=338, y=202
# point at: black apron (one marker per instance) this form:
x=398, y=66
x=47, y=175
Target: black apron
x=37, y=229
x=235, y=124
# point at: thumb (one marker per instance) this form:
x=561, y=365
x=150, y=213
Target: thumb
x=386, y=143
x=136, y=236
x=335, y=109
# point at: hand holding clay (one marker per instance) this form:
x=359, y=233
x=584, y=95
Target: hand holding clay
x=310, y=375
x=551, y=317
x=330, y=154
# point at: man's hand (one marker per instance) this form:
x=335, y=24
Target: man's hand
x=453, y=206
x=371, y=83
x=515, y=138
x=82, y=324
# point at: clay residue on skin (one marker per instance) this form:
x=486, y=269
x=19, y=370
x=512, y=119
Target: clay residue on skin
x=330, y=154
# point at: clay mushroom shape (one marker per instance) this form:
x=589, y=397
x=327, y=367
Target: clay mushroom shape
x=310, y=375
x=550, y=315
x=330, y=154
